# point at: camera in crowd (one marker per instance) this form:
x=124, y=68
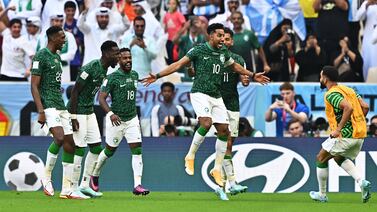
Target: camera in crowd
x=178, y=125
x=185, y=121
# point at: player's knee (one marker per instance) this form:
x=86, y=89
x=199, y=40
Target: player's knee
x=95, y=149
x=109, y=152
x=206, y=123
x=59, y=138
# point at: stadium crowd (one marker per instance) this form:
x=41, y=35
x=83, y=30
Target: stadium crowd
x=341, y=33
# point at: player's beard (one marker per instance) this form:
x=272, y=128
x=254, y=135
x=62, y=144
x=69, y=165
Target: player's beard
x=322, y=85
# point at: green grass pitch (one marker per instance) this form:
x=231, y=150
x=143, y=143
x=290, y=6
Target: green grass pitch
x=184, y=201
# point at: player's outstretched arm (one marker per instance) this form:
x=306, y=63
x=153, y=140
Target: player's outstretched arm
x=258, y=77
x=167, y=71
x=115, y=120
x=35, y=82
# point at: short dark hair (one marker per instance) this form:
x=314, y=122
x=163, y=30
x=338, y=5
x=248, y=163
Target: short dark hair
x=69, y=4
x=108, y=45
x=125, y=50
x=238, y=12
x=292, y=121
x=52, y=31
x=139, y=18
x=213, y=27
x=286, y=86
x=373, y=117
x=15, y=21
x=167, y=84
x=228, y=31
x=331, y=73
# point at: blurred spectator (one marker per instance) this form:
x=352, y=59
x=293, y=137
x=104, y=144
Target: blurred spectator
x=310, y=16
x=24, y=9
x=295, y=128
x=332, y=23
x=69, y=49
x=354, y=22
x=185, y=7
x=165, y=109
x=143, y=48
x=195, y=35
x=125, y=7
x=96, y=33
x=225, y=18
x=286, y=109
x=319, y=128
x=246, y=130
x=15, y=48
x=209, y=8
x=279, y=48
x=373, y=126
x=348, y=61
x=311, y=60
x=70, y=25
x=245, y=42
x=173, y=22
x=117, y=23
x=33, y=31
x=368, y=13
x=52, y=7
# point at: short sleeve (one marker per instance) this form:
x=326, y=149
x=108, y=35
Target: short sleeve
x=228, y=58
x=37, y=66
x=334, y=98
x=106, y=86
x=192, y=54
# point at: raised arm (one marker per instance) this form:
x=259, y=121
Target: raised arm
x=258, y=77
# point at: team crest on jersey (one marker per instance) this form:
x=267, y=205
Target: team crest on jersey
x=222, y=58
x=56, y=60
x=246, y=38
x=135, y=83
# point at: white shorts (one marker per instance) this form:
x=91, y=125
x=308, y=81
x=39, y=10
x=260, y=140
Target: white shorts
x=234, y=120
x=129, y=129
x=88, y=132
x=58, y=118
x=346, y=147
x=206, y=106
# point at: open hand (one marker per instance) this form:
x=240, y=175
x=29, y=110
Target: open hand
x=149, y=80
x=259, y=77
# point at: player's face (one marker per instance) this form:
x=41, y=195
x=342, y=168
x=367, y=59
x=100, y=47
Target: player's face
x=237, y=20
x=322, y=81
x=59, y=40
x=125, y=61
x=113, y=56
x=288, y=96
x=217, y=38
x=15, y=30
x=69, y=12
x=168, y=94
x=228, y=40
x=139, y=27
x=103, y=21
x=295, y=129
x=57, y=22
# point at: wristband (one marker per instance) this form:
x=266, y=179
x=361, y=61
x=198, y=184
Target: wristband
x=110, y=113
x=73, y=116
x=158, y=75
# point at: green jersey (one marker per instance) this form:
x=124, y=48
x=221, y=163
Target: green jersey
x=122, y=88
x=334, y=99
x=209, y=65
x=48, y=66
x=244, y=43
x=91, y=77
x=229, y=90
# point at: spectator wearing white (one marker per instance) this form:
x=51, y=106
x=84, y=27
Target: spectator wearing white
x=24, y=9
x=143, y=48
x=117, y=21
x=53, y=7
x=15, y=47
x=96, y=33
x=208, y=8
x=69, y=49
x=33, y=30
x=232, y=5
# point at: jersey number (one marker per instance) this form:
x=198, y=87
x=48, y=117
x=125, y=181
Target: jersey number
x=226, y=77
x=130, y=95
x=215, y=68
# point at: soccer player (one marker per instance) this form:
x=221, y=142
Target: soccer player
x=84, y=121
x=45, y=88
x=345, y=111
x=121, y=119
x=230, y=96
x=209, y=61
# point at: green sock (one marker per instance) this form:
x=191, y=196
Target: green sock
x=54, y=148
x=67, y=157
x=80, y=151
